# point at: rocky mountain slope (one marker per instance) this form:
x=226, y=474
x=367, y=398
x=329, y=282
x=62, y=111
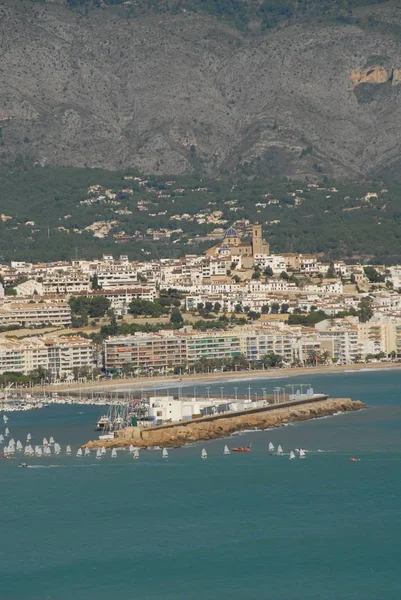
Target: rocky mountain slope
x=171, y=93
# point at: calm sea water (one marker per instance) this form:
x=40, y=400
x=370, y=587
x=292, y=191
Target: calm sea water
x=245, y=526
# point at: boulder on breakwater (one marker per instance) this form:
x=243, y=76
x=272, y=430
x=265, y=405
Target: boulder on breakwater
x=220, y=426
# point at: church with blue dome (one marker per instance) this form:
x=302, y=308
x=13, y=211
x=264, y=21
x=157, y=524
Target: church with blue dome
x=232, y=246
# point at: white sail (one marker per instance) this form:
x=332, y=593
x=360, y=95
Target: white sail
x=103, y=450
x=5, y=418
x=302, y=453
x=6, y=432
x=19, y=446
x=1, y=438
x=226, y=450
x=135, y=454
x=28, y=437
x=131, y=448
x=47, y=451
x=98, y=453
x=11, y=442
x=79, y=452
x=87, y=452
x=38, y=451
x=45, y=442
x=26, y=451
x=68, y=450
x=114, y=453
x=165, y=453
x=57, y=448
x=51, y=440
x=203, y=453
x=271, y=447
x=292, y=455
x=279, y=450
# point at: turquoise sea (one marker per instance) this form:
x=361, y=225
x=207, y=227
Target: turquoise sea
x=243, y=527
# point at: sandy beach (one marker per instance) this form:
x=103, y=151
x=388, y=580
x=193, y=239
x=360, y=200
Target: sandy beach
x=204, y=378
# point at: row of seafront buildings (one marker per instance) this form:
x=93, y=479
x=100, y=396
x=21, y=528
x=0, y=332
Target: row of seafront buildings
x=162, y=352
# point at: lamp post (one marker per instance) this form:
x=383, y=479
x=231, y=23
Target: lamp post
x=222, y=390
x=264, y=393
x=249, y=392
x=194, y=393
x=208, y=393
x=236, y=394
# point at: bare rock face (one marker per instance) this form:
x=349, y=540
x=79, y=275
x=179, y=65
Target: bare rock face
x=166, y=93
x=371, y=75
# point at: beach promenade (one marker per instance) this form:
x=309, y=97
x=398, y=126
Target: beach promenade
x=175, y=381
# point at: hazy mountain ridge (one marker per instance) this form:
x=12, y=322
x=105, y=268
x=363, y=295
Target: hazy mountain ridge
x=172, y=93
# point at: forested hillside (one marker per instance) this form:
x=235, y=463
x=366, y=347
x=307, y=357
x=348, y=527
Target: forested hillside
x=59, y=213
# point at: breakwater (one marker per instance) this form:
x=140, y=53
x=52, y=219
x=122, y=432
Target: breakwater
x=219, y=426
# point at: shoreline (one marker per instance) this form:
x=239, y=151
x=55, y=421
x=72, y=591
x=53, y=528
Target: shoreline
x=174, y=381
x=222, y=426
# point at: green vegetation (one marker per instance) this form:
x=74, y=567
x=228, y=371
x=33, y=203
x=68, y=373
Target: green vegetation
x=239, y=13
x=50, y=209
x=82, y=308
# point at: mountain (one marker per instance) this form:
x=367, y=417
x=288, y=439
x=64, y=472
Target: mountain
x=287, y=88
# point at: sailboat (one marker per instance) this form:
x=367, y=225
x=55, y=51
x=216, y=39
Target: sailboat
x=135, y=454
x=79, y=452
x=28, y=437
x=57, y=448
x=68, y=450
x=38, y=451
x=271, y=447
x=203, y=453
x=26, y=451
x=98, y=453
x=45, y=442
x=47, y=451
x=279, y=450
x=302, y=453
x=165, y=453
x=31, y=450
x=114, y=453
x=1, y=438
x=292, y=455
x=103, y=450
x=226, y=450
x=19, y=446
x=51, y=440
x=5, y=418
x=131, y=448
x=87, y=452
x=6, y=432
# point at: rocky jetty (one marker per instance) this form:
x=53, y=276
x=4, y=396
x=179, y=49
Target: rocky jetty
x=209, y=428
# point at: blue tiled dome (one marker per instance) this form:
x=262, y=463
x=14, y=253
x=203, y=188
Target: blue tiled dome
x=231, y=233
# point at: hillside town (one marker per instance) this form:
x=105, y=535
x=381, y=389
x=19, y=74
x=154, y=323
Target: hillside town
x=237, y=306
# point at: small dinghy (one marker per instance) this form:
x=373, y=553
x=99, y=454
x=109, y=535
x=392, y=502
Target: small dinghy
x=113, y=453
x=203, y=453
x=165, y=453
x=292, y=455
x=79, y=452
x=98, y=453
x=302, y=453
x=135, y=454
x=87, y=452
x=279, y=451
x=226, y=450
x=68, y=450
